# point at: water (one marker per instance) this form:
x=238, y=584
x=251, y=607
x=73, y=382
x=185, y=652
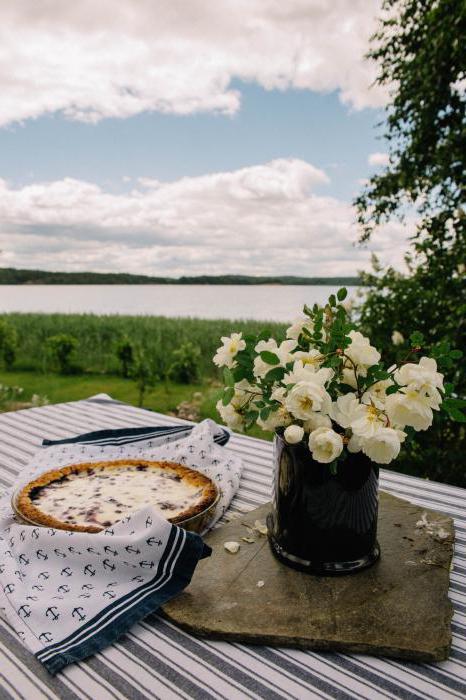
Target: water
x=261, y=302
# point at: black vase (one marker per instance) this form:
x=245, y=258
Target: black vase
x=323, y=523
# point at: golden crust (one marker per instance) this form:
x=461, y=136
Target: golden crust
x=26, y=507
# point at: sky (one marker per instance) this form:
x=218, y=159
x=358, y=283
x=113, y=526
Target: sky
x=189, y=137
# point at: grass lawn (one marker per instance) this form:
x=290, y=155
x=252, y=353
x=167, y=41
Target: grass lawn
x=164, y=397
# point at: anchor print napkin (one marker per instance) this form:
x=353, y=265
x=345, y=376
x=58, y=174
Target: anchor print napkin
x=70, y=594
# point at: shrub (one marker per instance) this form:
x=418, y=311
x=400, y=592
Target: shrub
x=8, y=343
x=125, y=355
x=62, y=348
x=143, y=374
x=185, y=367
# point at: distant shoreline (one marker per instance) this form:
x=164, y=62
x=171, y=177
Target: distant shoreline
x=13, y=276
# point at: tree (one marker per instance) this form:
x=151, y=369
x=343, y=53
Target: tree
x=419, y=48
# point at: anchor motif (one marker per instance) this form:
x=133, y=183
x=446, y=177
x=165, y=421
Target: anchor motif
x=87, y=587
x=109, y=550
x=109, y=531
x=91, y=550
x=139, y=579
x=146, y=564
x=57, y=597
x=134, y=550
x=59, y=553
x=51, y=532
x=35, y=533
x=73, y=550
x=112, y=583
x=41, y=555
x=151, y=540
x=9, y=588
x=203, y=454
x=89, y=569
x=7, y=551
x=22, y=536
x=84, y=595
x=24, y=611
x=23, y=559
x=64, y=588
x=37, y=587
x=20, y=575
x=12, y=542
x=109, y=594
x=66, y=571
x=46, y=636
x=2, y=568
x=78, y=612
x=32, y=597
x=148, y=521
x=107, y=564
x=52, y=612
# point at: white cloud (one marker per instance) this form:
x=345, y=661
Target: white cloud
x=377, y=159
x=263, y=219
x=92, y=60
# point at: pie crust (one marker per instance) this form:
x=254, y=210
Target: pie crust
x=194, y=491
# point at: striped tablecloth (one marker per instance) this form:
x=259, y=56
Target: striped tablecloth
x=157, y=660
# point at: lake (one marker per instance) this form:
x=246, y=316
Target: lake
x=261, y=302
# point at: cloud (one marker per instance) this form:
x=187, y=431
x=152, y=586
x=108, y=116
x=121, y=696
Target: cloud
x=91, y=60
x=377, y=159
x=263, y=219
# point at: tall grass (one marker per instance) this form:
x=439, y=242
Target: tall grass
x=98, y=337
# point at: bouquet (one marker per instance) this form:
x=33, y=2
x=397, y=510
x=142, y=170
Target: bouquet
x=325, y=384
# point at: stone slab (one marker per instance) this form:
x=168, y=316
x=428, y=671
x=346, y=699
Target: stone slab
x=397, y=608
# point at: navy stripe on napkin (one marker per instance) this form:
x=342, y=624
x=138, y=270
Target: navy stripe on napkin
x=125, y=436
x=174, y=572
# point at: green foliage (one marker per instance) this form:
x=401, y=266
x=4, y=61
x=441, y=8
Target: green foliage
x=419, y=49
x=143, y=374
x=125, y=354
x=98, y=336
x=185, y=366
x=8, y=343
x=62, y=349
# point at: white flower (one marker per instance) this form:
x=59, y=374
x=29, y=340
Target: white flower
x=345, y=409
x=307, y=397
x=349, y=377
x=382, y=447
x=397, y=338
x=225, y=355
x=282, y=351
x=377, y=393
x=325, y=445
x=275, y=419
x=243, y=392
x=367, y=421
x=423, y=376
x=311, y=359
x=230, y=416
x=316, y=420
x=361, y=352
x=279, y=394
x=355, y=444
x=412, y=407
x=293, y=434
x=295, y=330
x=308, y=373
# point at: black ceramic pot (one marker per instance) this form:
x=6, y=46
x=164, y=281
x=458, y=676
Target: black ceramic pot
x=323, y=523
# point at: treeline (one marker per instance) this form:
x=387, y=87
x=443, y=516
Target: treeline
x=10, y=275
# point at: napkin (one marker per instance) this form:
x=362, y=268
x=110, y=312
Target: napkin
x=70, y=594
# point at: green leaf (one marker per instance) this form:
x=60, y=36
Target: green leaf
x=392, y=389
x=454, y=403
x=308, y=311
x=416, y=338
x=228, y=395
x=275, y=374
x=331, y=300
x=342, y=294
x=228, y=376
x=269, y=357
x=265, y=412
x=456, y=354
x=333, y=466
x=455, y=414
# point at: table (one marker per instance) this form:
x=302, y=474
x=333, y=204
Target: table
x=157, y=660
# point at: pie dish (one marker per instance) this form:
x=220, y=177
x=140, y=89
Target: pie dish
x=89, y=497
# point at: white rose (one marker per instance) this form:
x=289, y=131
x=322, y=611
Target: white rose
x=317, y=420
x=397, y=338
x=282, y=351
x=367, y=421
x=307, y=373
x=230, y=416
x=307, y=397
x=377, y=393
x=243, y=392
x=411, y=407
x=325, y=445
x=311, y=359
x=275, y=419
x=383, y=447
x=293, y=434
x=345, y=409
x=423, y=375
x=349, y=377
x=295, y=330
x=225, y=355
x=361, y=352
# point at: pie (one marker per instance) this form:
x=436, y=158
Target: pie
x=91, y=497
